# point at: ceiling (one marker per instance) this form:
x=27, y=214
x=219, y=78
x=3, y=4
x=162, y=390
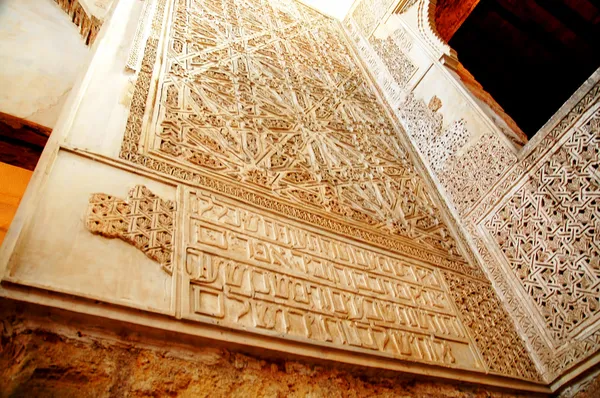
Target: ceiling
x=530, y=55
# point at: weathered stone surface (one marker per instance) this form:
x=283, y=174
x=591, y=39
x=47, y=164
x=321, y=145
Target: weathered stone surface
x=38, y=361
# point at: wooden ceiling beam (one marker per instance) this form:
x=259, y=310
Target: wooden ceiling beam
x=572, y=20
x=21, y=141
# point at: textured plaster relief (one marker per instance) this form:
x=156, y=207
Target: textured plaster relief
x=552, y=237
x=136, y=52
x=387, y=59
x=469, y=176
x=35, y=82
x=240, y=110
x=335, y=8
x=143, y=220
x=368, y=13
x=548, y=233
x=393, y=92
x=501, y=347
x=58, y=253
x=248, y=269
x=425, y=126
x=397, y=63
x=320, y=141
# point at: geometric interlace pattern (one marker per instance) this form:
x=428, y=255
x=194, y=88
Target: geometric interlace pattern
x=143, y=220
x=267, y=93
x=549, y=232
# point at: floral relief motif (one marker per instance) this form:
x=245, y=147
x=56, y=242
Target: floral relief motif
x=425, y=126
x=397, y=63
x=531, y=219
x=143, y=220
x=471, y=175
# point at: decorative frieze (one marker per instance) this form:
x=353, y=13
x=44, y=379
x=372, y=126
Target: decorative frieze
x=262, y=102
x=547, y=233
x=397, y=63
x=247, y=269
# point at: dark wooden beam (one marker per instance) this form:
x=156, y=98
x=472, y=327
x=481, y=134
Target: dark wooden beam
x=595, y=3
x=21, y=141
x=572, y=21
x=528, y=16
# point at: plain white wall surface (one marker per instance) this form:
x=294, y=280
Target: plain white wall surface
x=41, y=54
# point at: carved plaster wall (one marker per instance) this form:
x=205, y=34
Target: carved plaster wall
x=243, y=112
x=530, y=216
x=264, y=190
x=36, y=78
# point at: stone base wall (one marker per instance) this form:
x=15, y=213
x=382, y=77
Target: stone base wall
x=43, y=356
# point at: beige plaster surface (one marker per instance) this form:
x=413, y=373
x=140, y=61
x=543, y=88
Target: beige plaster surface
x=58, y=252
x=109, y=89
x=41, y=54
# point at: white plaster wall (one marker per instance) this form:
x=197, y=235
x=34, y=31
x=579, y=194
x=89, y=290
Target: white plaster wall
x=101, y=117
x=41, y=55
x=58, y=253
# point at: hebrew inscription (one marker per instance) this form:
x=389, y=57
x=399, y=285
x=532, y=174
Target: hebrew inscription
x=256, y=271
x=143, y=220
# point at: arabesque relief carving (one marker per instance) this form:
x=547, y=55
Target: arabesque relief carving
x=501, y=347
x=143, y=220
x=469, y=176
x=530, y=224
x=278, y=103
x=263, y=102
x=425, y=126
x=375, y=65
x=548, y=232
x=136, y=51
x=397, y=63
x=368, y=13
